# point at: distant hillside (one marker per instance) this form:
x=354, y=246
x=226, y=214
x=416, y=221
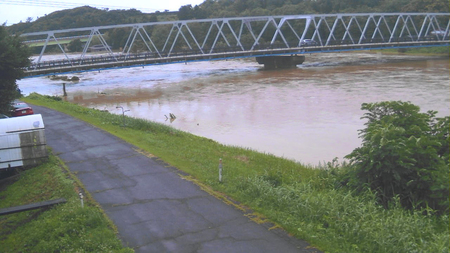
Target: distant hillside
x=233, y=8
x=87, y=17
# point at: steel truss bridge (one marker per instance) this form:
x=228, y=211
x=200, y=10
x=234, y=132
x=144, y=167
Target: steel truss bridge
x=224, y=38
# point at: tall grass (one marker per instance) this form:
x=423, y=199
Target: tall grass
x=309, y=203
x=340, y=221
x=63, y=228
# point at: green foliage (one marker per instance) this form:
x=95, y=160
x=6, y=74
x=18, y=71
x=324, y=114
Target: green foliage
x=56, y=98
x=82, y=17
x=404, y=153
x=75, y=46
x=427, y=6
x=226, y=8
x=64, y=228
x=188, y=12
x=428, y=50
x=309, y=203
x=13, y=57
x=339, y=221
x=117, y=37
x=88, y=16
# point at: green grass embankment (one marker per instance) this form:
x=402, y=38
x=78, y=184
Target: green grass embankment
x=65, y=227
x=425, y=51
x=309, y=203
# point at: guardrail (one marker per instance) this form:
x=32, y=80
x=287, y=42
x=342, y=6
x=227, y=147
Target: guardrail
x=32, y=206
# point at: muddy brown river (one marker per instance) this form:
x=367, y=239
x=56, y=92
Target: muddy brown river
x=310, y=114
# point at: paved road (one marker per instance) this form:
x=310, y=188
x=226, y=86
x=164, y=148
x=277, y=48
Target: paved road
x=154, y=209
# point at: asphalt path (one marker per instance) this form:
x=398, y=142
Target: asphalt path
x=153, y=207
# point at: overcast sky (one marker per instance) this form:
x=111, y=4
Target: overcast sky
x=14, y=11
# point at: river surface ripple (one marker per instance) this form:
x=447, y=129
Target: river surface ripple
x=310, y=114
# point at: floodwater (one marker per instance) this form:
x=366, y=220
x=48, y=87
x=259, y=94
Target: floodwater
x=310, y=114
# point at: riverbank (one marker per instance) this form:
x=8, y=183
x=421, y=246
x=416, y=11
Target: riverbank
x=426, y=51
x=314, y=111
x=308, y=202
x=67, y=227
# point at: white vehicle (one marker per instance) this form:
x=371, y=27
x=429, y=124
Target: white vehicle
x=308, y=42
x=438, y=33
x=22, y=141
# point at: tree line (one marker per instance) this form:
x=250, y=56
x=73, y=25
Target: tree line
x=233, y=8
x=88, y=16
x=82, y=17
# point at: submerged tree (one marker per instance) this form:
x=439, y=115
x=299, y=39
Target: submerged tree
x=13, y=57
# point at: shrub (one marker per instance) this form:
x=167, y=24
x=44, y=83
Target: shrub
x=404, y=153
x=56, y=98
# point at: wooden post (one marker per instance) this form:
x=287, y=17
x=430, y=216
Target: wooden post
x=64, y=89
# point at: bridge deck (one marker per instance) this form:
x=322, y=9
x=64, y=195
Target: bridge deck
x=143, y=59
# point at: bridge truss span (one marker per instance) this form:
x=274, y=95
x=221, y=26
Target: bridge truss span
x=174, y=41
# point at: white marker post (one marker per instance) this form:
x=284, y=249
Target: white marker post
x=220, y=170
x=81, y=199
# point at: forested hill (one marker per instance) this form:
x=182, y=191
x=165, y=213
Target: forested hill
x=234, y=8
x=87, y=16
x=84, y=17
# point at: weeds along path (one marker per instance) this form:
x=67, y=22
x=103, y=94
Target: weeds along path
x=154, y=208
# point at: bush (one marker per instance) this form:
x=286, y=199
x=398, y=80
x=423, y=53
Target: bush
x=404, y=153
x=75, y=46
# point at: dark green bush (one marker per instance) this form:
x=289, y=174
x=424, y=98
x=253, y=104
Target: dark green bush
x=404, y=153
x=35, y=95
x=56, y=98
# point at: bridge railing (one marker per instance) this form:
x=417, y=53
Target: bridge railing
x=206, y=37
x=143, y=58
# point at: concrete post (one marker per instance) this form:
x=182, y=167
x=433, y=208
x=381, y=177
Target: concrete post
x=81, y=199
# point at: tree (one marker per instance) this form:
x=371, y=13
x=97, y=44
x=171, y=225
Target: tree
x=404, y=153
x=118, y=37
x=13, y=57
x=75, y=46
x=427, y=6
x=185, y=12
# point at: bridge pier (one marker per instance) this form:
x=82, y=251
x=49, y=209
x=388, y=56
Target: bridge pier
x=281, y=61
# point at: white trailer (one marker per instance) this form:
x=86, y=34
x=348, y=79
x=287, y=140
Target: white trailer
x=22, y=141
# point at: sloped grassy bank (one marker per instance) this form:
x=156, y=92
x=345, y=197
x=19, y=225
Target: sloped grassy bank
x=430, y=51
x=307, y=202
x=63, y=228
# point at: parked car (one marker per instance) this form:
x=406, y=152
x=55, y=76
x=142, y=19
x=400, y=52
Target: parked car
x=308, y=42
x=20, y=109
